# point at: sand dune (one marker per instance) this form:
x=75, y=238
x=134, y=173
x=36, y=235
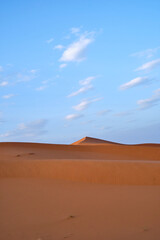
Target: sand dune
x=86, y=151
x=89, y=190
x=89, y=140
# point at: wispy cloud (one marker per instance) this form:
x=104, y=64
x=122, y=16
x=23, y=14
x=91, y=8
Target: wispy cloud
x=34, y=71
x=148, y=53
x=84, y=104
x=1, y=69
x=150, y=102
x=20, y=77
x=87, y=80
x=81, y=90
x=76, y=51
x=8, y=96
x=50, y=40
x=135, y=82
x=59, y=46
x=86, y=86
x=30, y=130
x=41, y=88
x=75, y=30
x=3, y=84
x=149, y=65
x=73, y=116
x=63, y=65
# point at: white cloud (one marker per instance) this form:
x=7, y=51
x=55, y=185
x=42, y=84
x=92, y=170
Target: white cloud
x=33, y=71
x=87, y=80
x=30, y=130
x=81, y=90
x=63, y=65
x=76, y=51
x=59, y=46
x=25, y=77
x=84, y=104
x=73, y=116
x=1, y=69
x=41, y=88
x=50, y=40
x=134, y=82
x=85, y=86
x=148, y=53
x=75, y=30
x=150, y=102
x=3, y=84
x=149, y=65
x=8, y=96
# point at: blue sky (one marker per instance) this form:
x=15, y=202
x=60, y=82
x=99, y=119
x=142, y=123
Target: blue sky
x=70, y=69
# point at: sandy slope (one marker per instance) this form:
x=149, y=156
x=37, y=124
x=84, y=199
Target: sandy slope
x=83, y=191
x=50, y=210
x=86, y=151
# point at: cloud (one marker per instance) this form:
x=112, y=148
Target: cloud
x=87, y=80
x=75, y=30
x=63, y=65
x=41, y=88
x=50, y=40
x=1, y=69
x=34, y=71
x=148, y=53
x=3, y=84
x=86, y=86
x=76, y=51
x=26, y=77
x=149, y=65
x=150, y=102
x=18, y=77
x=84, y=104
x=73, y=116
x=59, y=46
x=81, y=90
x=8, y=96
x=27, y=131
x=135, y=82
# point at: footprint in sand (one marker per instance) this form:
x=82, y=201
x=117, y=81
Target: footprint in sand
x=31, y=153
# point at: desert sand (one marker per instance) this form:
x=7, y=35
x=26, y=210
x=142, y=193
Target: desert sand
x=91, y=189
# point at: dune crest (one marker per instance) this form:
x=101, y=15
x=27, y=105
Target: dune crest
x=90, y=140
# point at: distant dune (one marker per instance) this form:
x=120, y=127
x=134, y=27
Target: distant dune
x=89, y=140
x=92, y=189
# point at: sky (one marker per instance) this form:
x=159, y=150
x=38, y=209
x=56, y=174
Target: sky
x=70, y=69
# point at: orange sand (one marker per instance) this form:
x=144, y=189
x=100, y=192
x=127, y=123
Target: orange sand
x=86, y=190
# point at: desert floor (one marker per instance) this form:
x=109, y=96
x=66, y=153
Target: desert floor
x=84, y=191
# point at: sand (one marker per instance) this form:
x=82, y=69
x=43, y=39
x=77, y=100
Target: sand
x=87, y=190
